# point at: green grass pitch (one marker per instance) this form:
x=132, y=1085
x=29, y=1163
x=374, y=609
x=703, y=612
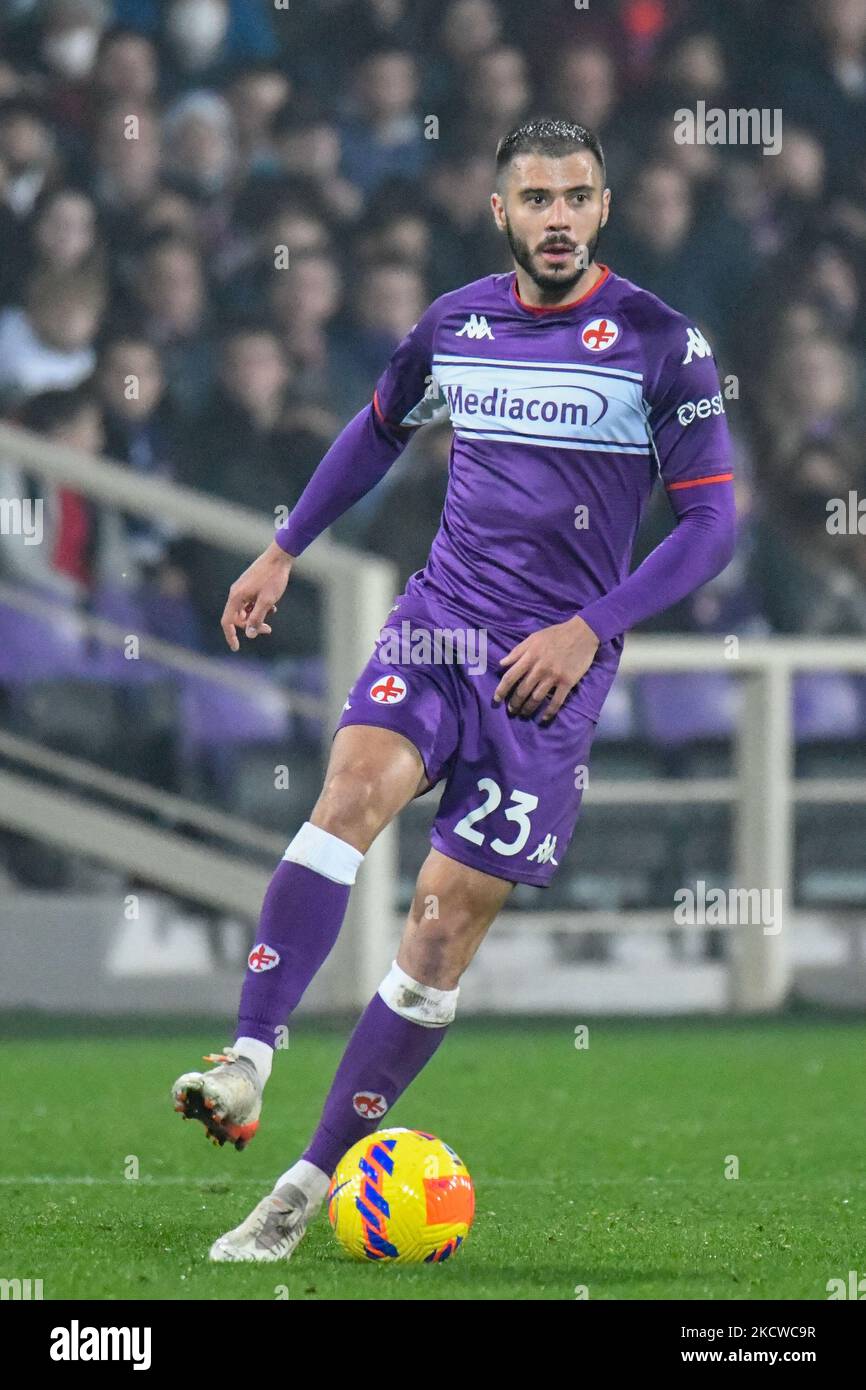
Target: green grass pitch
x=601, y=1167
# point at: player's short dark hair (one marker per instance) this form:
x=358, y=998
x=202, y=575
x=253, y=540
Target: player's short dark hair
x=551, y=137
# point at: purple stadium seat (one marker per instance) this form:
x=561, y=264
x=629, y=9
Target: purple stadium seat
x=172, y=618
x=617, y=719
x=141, y=612
x=43, y=645
x=827, y=705
x=304, y=675
x=683, y=707
x=215, y=715
x=121, y=606
x=218, y=720
x=118, y=604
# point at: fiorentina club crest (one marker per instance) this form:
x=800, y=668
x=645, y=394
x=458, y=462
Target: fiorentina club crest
x=389, y=690
x=369, y=1104
x=262, y=958
x=599, y=334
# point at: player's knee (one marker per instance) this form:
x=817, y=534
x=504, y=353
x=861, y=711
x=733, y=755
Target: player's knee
x=417, y=1002
x=350, y=805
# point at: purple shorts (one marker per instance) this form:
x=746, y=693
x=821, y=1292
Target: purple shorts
x=513, y=786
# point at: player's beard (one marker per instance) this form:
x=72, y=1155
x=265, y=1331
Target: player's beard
x=550, y=284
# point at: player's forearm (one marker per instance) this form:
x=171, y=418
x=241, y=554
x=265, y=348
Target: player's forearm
x=700, y=546
x=357, y=460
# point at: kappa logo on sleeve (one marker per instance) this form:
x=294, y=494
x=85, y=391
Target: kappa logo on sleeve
x=476, y=326
x=696, y=346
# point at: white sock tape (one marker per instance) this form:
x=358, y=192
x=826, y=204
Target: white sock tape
x=325, y=853
x=432, y=1008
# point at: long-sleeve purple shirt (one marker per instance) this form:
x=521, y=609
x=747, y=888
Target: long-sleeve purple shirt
x=563, y=420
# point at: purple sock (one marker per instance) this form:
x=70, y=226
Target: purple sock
x=301, y=918
x=383, y=1056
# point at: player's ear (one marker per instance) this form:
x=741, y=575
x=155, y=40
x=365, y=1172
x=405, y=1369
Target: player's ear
x=498, y=208
x=605, y=207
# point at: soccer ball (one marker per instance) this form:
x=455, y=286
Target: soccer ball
x=401, y=1196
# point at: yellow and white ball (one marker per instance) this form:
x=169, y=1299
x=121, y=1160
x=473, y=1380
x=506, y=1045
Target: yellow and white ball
x=401, y=1196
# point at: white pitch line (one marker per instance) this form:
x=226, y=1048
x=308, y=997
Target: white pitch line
x=50, y=1180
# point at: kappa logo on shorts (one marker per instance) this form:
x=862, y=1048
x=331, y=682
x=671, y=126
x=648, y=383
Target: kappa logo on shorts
x=263, y=958
x=599, y=334
x=369, y=1104
x=544, y=851
x=389, y=691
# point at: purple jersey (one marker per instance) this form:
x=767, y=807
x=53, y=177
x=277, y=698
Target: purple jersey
x=562, y=418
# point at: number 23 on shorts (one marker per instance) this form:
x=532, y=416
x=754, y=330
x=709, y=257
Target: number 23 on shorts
x=524, y=803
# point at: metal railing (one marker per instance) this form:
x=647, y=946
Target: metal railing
x=358, y=593
x=358, y=590
x=763, y=789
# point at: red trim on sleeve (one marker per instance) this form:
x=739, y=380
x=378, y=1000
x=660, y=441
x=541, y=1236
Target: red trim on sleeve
x=693, y=482
x=389, y=423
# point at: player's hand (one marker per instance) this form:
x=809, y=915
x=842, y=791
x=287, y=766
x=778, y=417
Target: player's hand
x=253, y=597
x=546, y=665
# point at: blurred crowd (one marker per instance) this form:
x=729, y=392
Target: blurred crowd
x=219, y=217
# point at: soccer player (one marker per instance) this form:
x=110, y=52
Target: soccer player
x=569, y=391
